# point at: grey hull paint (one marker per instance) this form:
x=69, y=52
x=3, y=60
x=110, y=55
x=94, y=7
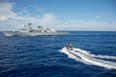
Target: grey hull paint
x=11, y=33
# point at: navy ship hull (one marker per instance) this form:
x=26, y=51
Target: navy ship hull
x=17, y=33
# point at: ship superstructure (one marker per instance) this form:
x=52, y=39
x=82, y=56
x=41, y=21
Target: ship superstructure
x=27, y=30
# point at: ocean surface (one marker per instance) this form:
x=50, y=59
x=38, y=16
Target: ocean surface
x=41, y=56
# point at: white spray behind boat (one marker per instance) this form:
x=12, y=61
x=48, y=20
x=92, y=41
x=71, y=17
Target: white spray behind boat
x=88, y=58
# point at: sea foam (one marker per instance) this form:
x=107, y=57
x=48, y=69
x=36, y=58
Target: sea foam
x=88, y=58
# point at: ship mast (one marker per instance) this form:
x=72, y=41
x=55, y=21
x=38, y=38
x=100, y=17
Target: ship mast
x=29, y=24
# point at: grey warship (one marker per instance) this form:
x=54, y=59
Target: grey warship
x=28, y=31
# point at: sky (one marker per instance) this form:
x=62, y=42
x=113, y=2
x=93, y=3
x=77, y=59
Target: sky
x=73, y=15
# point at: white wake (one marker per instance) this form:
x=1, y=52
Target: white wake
x=88, y=58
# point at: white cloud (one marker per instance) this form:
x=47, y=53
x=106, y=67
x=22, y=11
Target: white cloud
x=3, y=18
x=87, y=25
x=10, y=19
x=73, y=21
x=48, y=18
x=6, y=10
x=39, y=9
x=96, y=17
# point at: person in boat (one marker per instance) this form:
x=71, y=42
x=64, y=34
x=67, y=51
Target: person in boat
x=69, y=47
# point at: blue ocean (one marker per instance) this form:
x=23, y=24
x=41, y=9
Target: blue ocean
x=41, y=56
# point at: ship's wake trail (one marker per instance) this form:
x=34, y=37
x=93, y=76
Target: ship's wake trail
x=91, y=59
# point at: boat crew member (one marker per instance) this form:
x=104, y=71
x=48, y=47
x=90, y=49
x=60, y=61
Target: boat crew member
x=69, y=47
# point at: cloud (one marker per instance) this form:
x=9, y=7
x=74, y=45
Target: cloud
x=13, y=18
x=25, y=12
x=86, y=25
x=39, y=9
x=6, y=10
x=73, y=21
x=3, y=18
x=9, y=20
x=97, y=17
x=48, y=18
